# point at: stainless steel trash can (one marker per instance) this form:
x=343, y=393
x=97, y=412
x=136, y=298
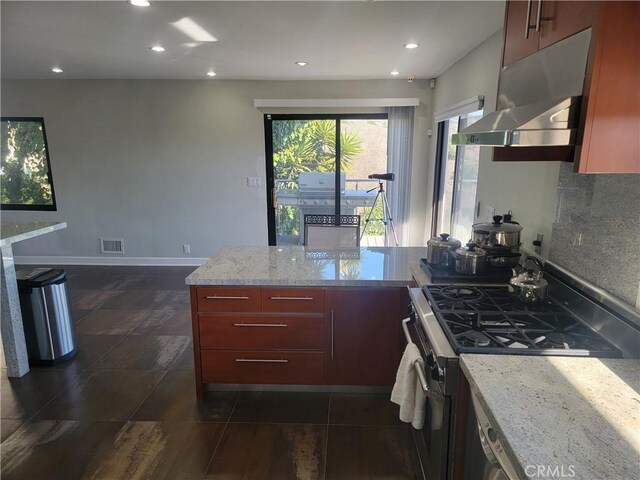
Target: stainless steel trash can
x=46, y=315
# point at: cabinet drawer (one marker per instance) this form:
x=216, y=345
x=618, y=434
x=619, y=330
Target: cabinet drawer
x=228, y=299
x=297, y=300
x=262, y=367
x=260, y=332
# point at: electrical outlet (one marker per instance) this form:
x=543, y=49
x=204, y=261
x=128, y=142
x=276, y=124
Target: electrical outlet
x=489, y=211
x=254, y=181
x=186, y=249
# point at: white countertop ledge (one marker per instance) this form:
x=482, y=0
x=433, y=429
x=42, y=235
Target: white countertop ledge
x=300, y=266
x=563, y=412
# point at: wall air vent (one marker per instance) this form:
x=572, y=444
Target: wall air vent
x=112, y=245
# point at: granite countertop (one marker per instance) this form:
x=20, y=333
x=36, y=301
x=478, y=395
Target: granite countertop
x=12, y=232
x=299, y=266
x=562, y=411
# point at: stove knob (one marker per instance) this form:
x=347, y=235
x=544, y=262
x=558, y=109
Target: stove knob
x=431, y=360
x=436, y=373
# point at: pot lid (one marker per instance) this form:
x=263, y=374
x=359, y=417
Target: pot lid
x=496, y=226
x=444, y=240
x=471, y=251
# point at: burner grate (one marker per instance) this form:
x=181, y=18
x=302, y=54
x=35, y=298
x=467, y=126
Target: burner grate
x=491, y=320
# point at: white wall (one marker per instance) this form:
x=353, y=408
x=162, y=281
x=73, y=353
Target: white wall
x=164, y=163
x=526, y=188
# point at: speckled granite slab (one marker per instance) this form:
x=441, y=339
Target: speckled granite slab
x=12, y=232
x=562, y=412
x=298, y=266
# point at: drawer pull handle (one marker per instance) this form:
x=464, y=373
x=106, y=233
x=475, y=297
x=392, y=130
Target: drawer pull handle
x=291, y=298
x=260, y=360
x=221, y=297
x=260, y=325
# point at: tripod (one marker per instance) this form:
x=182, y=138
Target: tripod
x=386, y=214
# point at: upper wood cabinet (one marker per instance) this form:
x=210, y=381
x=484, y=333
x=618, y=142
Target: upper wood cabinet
x=609, y=136
x=535, y=24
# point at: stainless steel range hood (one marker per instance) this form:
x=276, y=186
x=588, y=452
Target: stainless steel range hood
x=550, y=123
x=538, y=100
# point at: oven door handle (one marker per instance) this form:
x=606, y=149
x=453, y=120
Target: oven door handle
x=419, y=366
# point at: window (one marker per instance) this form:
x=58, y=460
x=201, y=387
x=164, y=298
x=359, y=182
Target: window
x=305, y=154
x=25, y=171
x=456, y=179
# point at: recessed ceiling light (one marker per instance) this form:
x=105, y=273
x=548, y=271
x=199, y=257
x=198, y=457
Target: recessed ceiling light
x=211, y=73
x=157, y=48
x=302, y=64
x=411, y=45
x=56, y=70
x=139, y=3
x=394, y=72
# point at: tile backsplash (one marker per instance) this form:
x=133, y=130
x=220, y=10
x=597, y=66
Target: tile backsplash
x=596, y=230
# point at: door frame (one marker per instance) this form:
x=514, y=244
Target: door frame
x=268, y=137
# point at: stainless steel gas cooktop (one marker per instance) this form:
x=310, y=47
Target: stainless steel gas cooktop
x=492, y=320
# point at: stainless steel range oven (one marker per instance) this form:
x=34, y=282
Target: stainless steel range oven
x=448, y=320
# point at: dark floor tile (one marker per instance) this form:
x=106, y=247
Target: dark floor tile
x=137, y=300
x=178, y=300
x=371, y=452
x=144, y=353
x=175, y=399
x=90, y=348
x=164, y=281
x=7, y=427
x=110, y=322
x=105, y=280
x=158, y=450
x=90, y=299
x=50, y=450
x=78, y=314
x=23, y=397
x=185, y=361
x=281, y=407
x=103, y=395
x=265, y=451
x=363, y=409
x=165, y=322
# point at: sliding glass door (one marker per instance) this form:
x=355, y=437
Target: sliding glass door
x=304, y=175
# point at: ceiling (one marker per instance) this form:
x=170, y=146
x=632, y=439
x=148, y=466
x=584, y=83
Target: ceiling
x=255, y=40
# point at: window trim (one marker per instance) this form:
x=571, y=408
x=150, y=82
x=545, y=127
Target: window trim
x=21, y=206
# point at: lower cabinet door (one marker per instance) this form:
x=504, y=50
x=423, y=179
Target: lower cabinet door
x=364, y=335
x=241, y=366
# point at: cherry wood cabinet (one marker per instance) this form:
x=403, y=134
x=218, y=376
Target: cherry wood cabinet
x=364, y=335
x=313, y=336
x=561, y=19
x=536, y=24
x=608, y=139
x=610, y=123
x=258, y=335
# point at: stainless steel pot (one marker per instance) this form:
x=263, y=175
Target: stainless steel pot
x=471, y=260
x=497, y=233
x=438, y=249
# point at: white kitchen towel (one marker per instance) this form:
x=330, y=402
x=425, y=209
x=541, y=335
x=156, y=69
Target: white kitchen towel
x=407, y=391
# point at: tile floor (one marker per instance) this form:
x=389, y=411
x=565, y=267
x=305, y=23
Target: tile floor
x=125, y=406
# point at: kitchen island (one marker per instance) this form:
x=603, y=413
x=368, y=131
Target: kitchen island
x=297, y=316
x=561, y=417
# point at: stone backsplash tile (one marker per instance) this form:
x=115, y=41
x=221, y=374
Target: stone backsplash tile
x=596, y=232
